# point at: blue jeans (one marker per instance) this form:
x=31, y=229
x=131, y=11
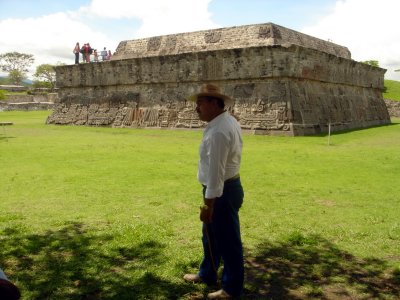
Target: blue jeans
x=225, y=241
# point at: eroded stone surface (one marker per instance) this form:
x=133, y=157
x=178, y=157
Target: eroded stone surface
x=237, y=37
x=292, y=84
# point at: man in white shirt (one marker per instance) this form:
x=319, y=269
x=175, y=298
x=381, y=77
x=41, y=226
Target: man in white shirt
x=218, y=172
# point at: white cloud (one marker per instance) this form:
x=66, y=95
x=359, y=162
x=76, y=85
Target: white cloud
x=368, y=28
x=158, y=17
x=51, y=38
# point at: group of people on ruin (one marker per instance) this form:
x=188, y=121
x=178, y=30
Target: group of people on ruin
x=86, y=50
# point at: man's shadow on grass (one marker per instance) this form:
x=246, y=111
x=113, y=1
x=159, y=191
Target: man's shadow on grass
x=310, y=267
x=71, y=263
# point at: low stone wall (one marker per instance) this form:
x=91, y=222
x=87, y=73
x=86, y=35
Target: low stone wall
x=29, y=102
x=393, y=108
x=13, y=88
x=26, y=106
x=50, y=97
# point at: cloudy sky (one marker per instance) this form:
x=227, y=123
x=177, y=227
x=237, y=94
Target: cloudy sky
x=49, y=29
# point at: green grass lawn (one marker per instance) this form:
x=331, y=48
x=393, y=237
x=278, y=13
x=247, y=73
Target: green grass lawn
x=392, y=90
x=109, y=213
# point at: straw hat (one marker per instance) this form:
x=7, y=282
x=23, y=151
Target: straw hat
x=212, y=90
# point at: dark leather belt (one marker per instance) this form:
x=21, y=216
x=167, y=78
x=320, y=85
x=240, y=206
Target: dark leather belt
x=237, y=176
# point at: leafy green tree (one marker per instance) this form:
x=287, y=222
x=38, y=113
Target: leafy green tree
x=373, y=63
x=16, y=76
x=47, y=74
x=38, y=84
x=16, y=64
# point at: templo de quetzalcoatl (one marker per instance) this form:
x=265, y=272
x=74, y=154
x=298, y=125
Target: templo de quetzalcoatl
x=282, y=81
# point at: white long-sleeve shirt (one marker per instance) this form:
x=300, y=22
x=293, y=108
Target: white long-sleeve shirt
x=220, y=154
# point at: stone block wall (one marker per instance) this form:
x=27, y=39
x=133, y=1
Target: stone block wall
x=49, y=97
x=237, y=37
x=26, y=106
x=29, y=102
x=393, y=108
x=279, y=89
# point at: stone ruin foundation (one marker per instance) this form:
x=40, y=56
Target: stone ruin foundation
x=283, y=82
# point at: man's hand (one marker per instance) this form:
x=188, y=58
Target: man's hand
x=207, y=210
x=206, y=214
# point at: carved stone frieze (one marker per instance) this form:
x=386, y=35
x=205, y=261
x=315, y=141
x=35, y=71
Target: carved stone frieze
x=154, y=43
x=259, y=115
x=264, y=115
x=269, y=31
x=170, y=44
x=213, y=36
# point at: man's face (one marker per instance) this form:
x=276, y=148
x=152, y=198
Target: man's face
x=205, y=108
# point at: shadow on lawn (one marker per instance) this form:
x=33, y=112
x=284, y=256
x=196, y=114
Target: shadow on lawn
x=71, y=263
x=312, y=267
x=6, y=138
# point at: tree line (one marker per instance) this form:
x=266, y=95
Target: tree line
x=17, y=65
